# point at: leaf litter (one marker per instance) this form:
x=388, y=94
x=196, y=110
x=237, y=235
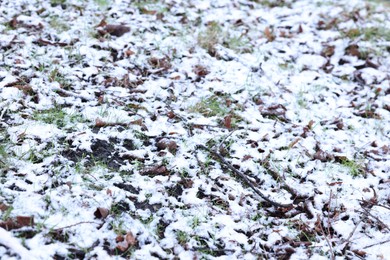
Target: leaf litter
x=180, y=129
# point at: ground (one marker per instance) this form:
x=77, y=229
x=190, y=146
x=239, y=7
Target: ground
x=228, y=129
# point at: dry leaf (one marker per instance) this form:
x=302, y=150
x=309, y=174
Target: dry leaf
x=167, y=144
x=300, y=30
x=24, y=221
x=155, y=170
x=227, y=121
x=146, y=11
x=3, y=207
x=101, y=213
x=122, y=246
x=137, y=122
x=269, y=34
x=102, y=23
x=100, y=123
x=291, y=145
x=200, y=70
x=130, y=239
x=115, y=29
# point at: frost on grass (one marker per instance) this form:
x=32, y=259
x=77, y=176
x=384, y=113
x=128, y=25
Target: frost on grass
x=168, y=129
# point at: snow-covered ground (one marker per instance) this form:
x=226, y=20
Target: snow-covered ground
x=173, y=129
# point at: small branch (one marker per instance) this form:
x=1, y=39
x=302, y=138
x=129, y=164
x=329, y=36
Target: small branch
x=245, y=178
x=76, y=224
x=379, y=243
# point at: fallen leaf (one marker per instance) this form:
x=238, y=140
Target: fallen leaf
x=291, y=145
x=122, y=246
x=101, y=213
x=24, y=221
x=268, y=34
x=227, y=121
x=130, y=239
x=335, y=183
x=143, y=10
x=100, y=123
x=167, y=144
x=155, y=170
x=3, y=207
x=322, y=156
x=200, y=70
x=115, y=30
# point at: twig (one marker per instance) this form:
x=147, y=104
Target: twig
x=71, y=94
x=245, y=178
x=379, y=243
x=368, y=213
x=76, y=224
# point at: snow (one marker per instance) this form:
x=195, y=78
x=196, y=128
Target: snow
x=309, y=127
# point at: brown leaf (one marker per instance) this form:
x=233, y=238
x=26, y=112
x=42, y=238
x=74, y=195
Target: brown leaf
x=322, y=156
x=101, y=213
x=269, y=34
x=119, y=238
x=291, y=145
x=143, y=10
x=122, y=246
x=100, y=123
x=137, y=122
x=171, y=115
x=102, y=23
x=360, y=253
x=300, y=30
x=247, y=157
x=130, y=239
x=24, y=221
x=3, y=207
x=167, y=144
x=116, y=29
x=227, y=121
x=9, y=224
x=278, y=111
x=335, y=183
x=353, y=50
x=128, y=53
x=14, y=22
x=155, y=170
x=200, y=70
x=328, y=51
x=157, y=63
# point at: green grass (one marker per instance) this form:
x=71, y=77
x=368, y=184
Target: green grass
x=215, y=34
x=355, y=168
x=58, y=24
x=211, y=106
x=182, y=237
x=57, y=116
x=369, y=34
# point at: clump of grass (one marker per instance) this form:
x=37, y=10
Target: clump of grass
x=239, y=44
x=182, y=237
x=211, y=106
x=369, y=34
x=214, y=34
x=58, y=24
x=355, y=168
x=57, y=117
x=56, y=76
x=51, y=116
